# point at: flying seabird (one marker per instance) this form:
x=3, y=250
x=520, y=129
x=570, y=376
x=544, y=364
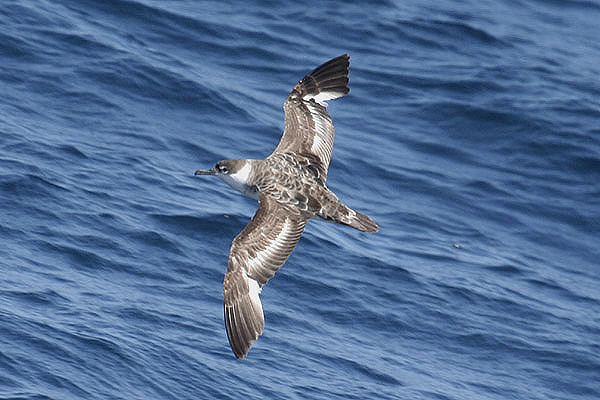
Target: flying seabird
x=290, y=186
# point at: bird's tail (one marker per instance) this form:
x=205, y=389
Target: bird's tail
x=342, y=214
x=359, y=221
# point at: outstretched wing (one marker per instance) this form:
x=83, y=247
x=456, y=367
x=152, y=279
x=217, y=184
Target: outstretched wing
x=308, y=126
x=256, y=254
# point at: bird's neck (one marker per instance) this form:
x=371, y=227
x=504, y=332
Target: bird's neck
x=243, y=179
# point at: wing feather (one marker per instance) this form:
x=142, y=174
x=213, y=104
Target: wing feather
x=308, y=126
x=256, y=255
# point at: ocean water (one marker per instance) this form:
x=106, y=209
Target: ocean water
x=471, y=134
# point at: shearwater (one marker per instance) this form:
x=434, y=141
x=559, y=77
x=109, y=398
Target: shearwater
x=290, y=186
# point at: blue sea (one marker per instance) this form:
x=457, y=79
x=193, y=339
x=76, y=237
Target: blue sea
x=471, y=135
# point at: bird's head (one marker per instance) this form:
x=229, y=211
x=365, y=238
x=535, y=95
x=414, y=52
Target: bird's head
x=236, y=173
x=223, y=167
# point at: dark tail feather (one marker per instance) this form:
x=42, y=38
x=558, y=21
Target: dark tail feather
x=359, y=221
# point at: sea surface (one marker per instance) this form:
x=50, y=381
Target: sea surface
x=471, y=134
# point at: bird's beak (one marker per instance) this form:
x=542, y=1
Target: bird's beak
x=211, y=171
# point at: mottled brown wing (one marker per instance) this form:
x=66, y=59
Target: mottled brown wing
x=256, y=254
x=308, y=126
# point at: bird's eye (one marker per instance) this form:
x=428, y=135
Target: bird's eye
x=223, y=169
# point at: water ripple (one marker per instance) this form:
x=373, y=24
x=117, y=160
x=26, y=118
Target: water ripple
x=470, y=135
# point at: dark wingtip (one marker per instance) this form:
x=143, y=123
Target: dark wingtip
x=329, y=77
x=244, y=323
